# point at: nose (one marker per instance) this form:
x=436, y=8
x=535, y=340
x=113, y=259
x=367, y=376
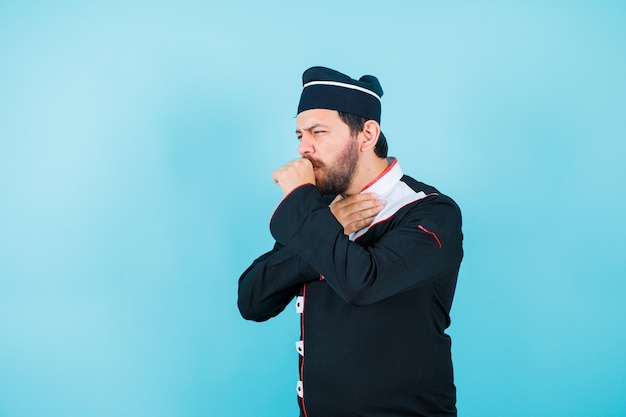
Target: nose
x=306, y=145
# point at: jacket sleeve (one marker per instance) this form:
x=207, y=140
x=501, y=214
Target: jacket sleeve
x=271, y=282
x=425, y=244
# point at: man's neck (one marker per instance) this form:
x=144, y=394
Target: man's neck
x=367, y=171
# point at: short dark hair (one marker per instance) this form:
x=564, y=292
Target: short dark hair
x=356, y=125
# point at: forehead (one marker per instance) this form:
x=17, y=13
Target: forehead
x=313, y=117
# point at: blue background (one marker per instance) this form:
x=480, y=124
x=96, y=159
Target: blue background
x=137, y=140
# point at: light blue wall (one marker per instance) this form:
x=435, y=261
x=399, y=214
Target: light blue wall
x=137, y=141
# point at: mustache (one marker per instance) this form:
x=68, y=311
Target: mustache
x=316, y=162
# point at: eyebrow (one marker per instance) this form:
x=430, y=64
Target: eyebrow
x=308, y=129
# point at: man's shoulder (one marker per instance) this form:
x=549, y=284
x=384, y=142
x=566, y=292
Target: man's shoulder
x=428, y=190
x=419, y=186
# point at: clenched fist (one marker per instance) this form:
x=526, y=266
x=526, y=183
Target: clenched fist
x=294, y=174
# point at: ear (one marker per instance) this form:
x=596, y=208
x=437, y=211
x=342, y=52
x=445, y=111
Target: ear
x=369, y=135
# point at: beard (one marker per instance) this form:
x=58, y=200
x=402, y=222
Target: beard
x=338, y=177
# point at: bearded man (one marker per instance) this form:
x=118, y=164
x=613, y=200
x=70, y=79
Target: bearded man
x=371, y=257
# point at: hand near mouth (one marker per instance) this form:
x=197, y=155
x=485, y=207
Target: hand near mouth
x=294, y=174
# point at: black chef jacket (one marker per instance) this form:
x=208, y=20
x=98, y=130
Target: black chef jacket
x=374, y=306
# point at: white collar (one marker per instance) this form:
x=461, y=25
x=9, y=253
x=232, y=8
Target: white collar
x=386, y=180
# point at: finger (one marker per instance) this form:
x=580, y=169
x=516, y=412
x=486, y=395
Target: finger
x=358, y=225
x=303, y=162
x=360, y=197
x=364, y=215
x=357, y=211
x=372, y=212
x=367, y=206
x=348, y=207
x=362, y=200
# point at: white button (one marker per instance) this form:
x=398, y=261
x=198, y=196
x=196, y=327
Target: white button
x=300, y=389
x=300, y=304
x=300, y=347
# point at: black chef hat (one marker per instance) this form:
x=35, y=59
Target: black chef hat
x=324, y=88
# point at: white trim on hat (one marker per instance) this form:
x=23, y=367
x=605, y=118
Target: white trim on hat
x=340, y=84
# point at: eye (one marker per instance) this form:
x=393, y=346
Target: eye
x=319, y=132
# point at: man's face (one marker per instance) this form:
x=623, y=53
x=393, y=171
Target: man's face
x=326, y=141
